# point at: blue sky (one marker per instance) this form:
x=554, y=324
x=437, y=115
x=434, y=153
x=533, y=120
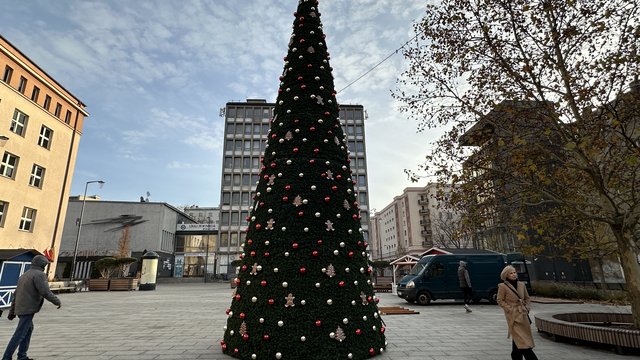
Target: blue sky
x=154, y=75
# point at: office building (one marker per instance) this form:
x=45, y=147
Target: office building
x=246, y=130
x=40, y=128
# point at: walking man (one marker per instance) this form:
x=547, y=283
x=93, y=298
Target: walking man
x=32, y=289
x=465, y=285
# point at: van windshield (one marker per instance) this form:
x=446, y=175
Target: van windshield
x=417, y=268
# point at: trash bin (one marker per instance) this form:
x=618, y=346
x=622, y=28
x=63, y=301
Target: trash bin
x=149, y=271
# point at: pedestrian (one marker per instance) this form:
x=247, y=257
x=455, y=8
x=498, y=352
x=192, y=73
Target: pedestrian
x=513, y=298
x=32, y=289
x=465, y=285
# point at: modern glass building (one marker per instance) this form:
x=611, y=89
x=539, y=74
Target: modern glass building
x=246, y=130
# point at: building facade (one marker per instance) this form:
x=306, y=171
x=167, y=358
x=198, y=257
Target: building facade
x=246, y=129
x=40, y=128
x=149, y=226
x=412, y=223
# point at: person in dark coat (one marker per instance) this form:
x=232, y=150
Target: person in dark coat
x=32, y=289
x=513, y=298
x=465, y=285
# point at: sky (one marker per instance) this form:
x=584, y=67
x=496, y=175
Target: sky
x=154, y=75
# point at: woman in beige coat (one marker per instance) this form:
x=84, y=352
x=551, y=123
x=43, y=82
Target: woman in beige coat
x=513, y=298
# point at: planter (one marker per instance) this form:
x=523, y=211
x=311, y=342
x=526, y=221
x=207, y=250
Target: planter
x=123, y=284
x=99, y=284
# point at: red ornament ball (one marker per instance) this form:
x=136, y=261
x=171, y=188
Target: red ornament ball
x=258, y=226
x=287, y=187
x=266, y=254
x=245, y=337
x=265, y=337
x=303, y=270
x=372, y=352
x=244, y=267
x=300, y=213
x=285, y=198
x=263, y=283
x=253, y=253
x=358, y=332
x=341, y=283
x=294, y=245
x=271, y=301
x=315, y=253
x=242, y=315
x=318, y=323
x=327, y=199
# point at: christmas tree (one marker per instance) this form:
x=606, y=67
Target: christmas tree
x=304, y=289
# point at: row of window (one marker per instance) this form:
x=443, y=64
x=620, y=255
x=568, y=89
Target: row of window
x=9, y=165
x=262, y=112
x=18, y=126
x=262, y=129
x=35, y=94
x=27, y=219
x=246, y=145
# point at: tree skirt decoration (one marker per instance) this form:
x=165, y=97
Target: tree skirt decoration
x=304, y=289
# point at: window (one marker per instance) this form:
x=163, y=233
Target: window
x=245, y=199
x=255, y=163
x=35, y=94
x=27, y=219
x=45, y=137
x=234, y=239
x=235, y=218
x=37, y=173
x=67, y=117
x=359, y=129
x=246, y=179
x=231, y=128
x=256, y=145
x=224, y=219
x=8, y=165
x=58, y=110
x=228, y=146
x=360, y=146
x=3, y=210
x=243, y=218
x=247, y=129
x=246, y=162
x=240, y=112
x=226, y=180
x=19, y=122
x=350, y=130
x=8, y=71
x=238, y=145
x=236, y=179
x=228, y=162
x=231, y=112
x=362, y=180
x=235, y=199
x=47, y=102
x=226, y=198
x=22, y=85
x=237, y=162
x=247, y=145
x=265, y=129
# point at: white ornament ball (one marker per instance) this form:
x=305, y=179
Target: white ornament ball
x=281, y=323
x=362, y=270
x=303, y=338
x=254, y=299
x=313, y=187
x=280, y=102
x=288, y=162
x=286, y=254
x=259, y=267
x=281, y=141
x=347, y=269
x=305, y=201
x=284, y=228
x=342, y=244
x=306, y=229
x=303, y=302
x=248, y=282
x=350, y=356
x=345, y=321
x=350, y=231
x=336, y=252
x=317, y=214
x=338, y=215
x=332, y=335
x=301, y=175
x=275, y=270
x=353, y=302
x=231, y=332
x=266, y=243
x=270, y=211
x=364, y=318
x=329, y=302
x=253, y=218
x=278, y=355
x=224, y=327
x=296, y=97
x=254, y=356
x=324, y=270
x=261, y=320
x=317, y=285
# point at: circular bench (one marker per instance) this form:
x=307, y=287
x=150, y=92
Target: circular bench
x=581, y=326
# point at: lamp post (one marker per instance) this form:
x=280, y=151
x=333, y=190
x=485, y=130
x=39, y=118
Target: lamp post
x=75, y=249
x=206, y=254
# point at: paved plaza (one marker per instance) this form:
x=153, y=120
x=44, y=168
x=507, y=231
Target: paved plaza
x=185, y=321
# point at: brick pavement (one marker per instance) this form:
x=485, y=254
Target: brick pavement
x=185, y=321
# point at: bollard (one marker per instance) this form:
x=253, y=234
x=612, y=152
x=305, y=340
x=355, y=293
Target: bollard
x=149, y=271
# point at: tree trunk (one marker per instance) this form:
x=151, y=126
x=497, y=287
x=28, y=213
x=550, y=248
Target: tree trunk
x=631, y=269
x=603, y=281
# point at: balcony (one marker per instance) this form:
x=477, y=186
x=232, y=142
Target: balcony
x=424, y=211
x=426, y=233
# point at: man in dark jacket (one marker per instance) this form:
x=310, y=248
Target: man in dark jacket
x=32, y=289
x=465, y=284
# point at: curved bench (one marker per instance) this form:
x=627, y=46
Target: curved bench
x=577, y=326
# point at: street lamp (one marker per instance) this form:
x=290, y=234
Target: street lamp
x=84, y=200
x=206, y=255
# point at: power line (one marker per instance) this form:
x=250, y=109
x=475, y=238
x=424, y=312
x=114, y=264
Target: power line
x=378, y=64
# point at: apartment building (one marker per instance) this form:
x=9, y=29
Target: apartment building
x=40, y=128
x=246, y=129
x=412, y=223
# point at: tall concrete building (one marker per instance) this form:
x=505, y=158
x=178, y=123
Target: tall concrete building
x=412, y=223
x=40, y=128
x=246, y=130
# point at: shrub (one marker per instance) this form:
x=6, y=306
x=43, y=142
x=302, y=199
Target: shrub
x=571, y=291
x=106, y=266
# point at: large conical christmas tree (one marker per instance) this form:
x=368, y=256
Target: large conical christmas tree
x=304, y=289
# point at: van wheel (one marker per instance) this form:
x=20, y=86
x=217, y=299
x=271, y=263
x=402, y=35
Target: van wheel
x=423, y=298
x=493, y=297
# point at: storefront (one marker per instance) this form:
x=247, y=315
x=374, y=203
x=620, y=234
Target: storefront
x=195, y=254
